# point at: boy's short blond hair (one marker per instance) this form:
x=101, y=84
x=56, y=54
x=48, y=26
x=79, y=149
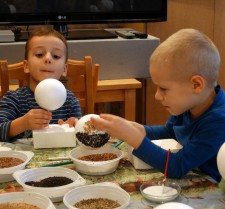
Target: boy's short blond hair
x=189, y=52
x=45, y=30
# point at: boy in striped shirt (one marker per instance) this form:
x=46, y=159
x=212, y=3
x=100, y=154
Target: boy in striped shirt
x=46, y=54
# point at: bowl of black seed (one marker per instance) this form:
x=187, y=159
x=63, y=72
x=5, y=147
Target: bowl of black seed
x=101, y=161
x=87, y=135
x=52, y=182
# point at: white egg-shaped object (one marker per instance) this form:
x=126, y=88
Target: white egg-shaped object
x=173, y=205
x=50, y=94
x=87, y=135
x=220, y=160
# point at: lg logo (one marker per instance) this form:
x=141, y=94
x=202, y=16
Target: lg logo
x=60, y=17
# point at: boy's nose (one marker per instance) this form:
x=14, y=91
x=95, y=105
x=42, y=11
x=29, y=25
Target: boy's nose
x=48, y=58
x=158, y=96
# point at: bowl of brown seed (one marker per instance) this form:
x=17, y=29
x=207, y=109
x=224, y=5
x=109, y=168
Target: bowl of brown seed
x=25, y=200
x=101, y=161
x=97, y=196
x=11, y=161
x=52, y=182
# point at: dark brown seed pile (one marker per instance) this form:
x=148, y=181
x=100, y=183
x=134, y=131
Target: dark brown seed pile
x=50, y=182
x=93, y=140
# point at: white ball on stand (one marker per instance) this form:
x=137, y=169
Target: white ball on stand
x=50, y=94
x=220, y=160
x=87, y=135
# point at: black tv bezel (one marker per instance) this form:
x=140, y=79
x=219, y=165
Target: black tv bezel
x=84, y=17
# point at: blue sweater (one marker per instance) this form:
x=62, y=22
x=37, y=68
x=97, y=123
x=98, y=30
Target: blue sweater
x=17, y=103
x=201, y=139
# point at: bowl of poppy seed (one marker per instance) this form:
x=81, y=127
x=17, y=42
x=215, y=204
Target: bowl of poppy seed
x=87, y=135
x=101, y=161
x=52, y=182
x=11, y=161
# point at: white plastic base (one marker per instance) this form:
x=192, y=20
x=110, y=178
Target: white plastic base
x=166, y=144
x=54, y=136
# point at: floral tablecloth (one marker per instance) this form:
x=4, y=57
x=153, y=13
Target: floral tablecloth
x=197, y=190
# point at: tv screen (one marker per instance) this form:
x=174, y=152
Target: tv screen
x=33, y=12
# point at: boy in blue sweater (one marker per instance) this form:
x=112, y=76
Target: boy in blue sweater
x=46, y=55
x=185, y=70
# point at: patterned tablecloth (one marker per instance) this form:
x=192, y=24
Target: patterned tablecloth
x=197, y=190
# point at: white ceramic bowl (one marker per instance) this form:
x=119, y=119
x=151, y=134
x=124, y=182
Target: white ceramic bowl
x=154, y=191
x=95, y=167
x=6, y=173
x=97, y=191
x=32, y=198
x=54, y=193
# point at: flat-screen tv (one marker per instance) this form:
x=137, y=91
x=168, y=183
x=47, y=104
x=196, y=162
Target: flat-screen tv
x=63, y=12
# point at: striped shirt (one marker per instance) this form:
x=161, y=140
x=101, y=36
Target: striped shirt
x=17, y=103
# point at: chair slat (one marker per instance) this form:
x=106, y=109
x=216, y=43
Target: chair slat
x=81, y=79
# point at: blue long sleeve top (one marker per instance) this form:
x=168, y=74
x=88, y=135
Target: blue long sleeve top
x=201, y=139
x=17, y=103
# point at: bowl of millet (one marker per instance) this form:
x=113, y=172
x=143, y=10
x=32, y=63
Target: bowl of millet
x=104, y=195
x=25, y=200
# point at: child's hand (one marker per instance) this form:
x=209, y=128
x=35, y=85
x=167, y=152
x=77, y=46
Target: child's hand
x=71, y=121
x=120, y=128
x=37, y=119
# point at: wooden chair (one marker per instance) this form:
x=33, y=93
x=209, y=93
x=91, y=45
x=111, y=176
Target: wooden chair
x=82, y=80
x=12, y=73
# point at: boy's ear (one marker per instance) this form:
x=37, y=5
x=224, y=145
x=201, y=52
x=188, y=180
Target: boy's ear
x=65, y=70
x=26, y=68
x=198, y=83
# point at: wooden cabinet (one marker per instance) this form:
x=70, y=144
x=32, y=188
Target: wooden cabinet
x=219, y=36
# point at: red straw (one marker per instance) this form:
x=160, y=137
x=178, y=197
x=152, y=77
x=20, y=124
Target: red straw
x=166, y=167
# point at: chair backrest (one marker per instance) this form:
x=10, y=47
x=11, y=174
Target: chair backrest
x=82, y=79
x=12, y=73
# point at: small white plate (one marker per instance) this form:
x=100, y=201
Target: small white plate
x=155, y=192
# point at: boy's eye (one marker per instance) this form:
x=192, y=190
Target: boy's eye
x=56, y=56
x=162, y=89
x=39, y=55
